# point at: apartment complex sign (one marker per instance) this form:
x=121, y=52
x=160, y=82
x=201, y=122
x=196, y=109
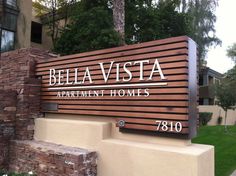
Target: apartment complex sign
x=76, y=80
x=148, y=87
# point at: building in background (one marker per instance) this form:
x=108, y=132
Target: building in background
x=8, y=24
x=207, y=79
x=20, y=28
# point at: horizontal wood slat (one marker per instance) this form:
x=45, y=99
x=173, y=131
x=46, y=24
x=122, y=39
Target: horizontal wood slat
x=151, y=91
x=140, y=101
x=152, y=128
x=182, y=62
x=135, y=73
x=125, y=114
x=127, y=109
x=117, y=49
x=174, y=78
x=136, y=103
x=149, y=122
x=116, y=56
x=154, y=97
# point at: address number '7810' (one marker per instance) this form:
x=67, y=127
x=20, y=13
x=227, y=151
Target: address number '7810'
x=169, y=126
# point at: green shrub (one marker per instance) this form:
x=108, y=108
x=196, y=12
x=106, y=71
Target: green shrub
x=204, y=118
x=219, y=120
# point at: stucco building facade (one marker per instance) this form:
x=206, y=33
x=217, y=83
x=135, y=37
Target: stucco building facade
x=20, y=27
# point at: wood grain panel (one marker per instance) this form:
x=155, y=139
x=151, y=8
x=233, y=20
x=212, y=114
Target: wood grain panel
x=165, y=65
x=127, y=108
x=175, y=78
x=152, y=128
x=135, y=73
x=117, y=49
x=126, y=114
x=151, y=91
x=94, y=59
x=136, y=103
x=168, y=102
x=149, y=122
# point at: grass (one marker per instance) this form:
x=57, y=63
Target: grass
x=225, y=147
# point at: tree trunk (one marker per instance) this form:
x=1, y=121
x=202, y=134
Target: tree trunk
x=225, y=121
x=119, y=18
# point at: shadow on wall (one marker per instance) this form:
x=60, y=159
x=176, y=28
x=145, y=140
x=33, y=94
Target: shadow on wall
x=219, y=112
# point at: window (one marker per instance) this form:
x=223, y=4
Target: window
x=36, y=32
x=7, y=40
x=201, y=80
x=8, y=13
x=200, y=101
x=10, y=21
x=11, y=3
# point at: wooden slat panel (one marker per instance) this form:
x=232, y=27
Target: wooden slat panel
x=170, y=85
x=45, y=83
x=169, y=103
x=135, y=73
x=165, y=65
x=159, y=55
x=94, y=70
x=127, y=114
x=58, y=64
x=149, y=122
x=154, y=97
x=119, y=103
x=151, y=128
x=151, y=91
x=122, y=48
x=127, y=108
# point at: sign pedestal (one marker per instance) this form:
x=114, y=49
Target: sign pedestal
x=127, y=154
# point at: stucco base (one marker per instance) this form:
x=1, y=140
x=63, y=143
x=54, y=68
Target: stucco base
x=125, y=154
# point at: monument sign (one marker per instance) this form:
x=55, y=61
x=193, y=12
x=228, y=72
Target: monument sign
x=149, y=87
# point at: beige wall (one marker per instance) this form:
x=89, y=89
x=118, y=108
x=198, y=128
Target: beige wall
x=26, y=16
x=218, y=111
x=24, y=24
x=122, y=154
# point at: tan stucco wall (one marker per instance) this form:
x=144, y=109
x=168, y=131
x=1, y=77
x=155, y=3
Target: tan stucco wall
x=126, y=154
x=24, y=24
x=218, y=111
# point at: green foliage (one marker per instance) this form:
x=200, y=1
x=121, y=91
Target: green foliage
x=145, y=21
x=149, y=20
x=203, y=21
x=52, y=11
x=226, y=94
x=204, y=118
x=231, y=52
x=91, y=29
x=225, y=147
x=231, y=75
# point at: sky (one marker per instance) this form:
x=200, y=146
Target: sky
x=226, y=31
